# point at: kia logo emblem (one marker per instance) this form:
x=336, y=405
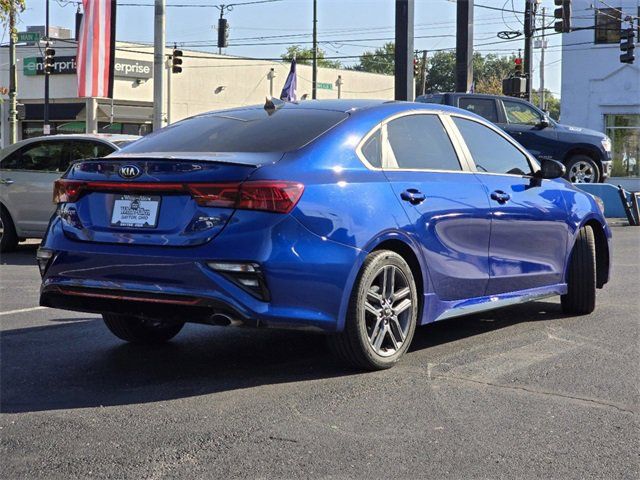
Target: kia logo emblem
x=129, y=171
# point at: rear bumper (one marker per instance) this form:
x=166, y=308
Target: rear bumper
x=307, y=278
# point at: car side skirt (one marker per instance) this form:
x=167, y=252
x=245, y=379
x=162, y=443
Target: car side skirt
x=441, y=310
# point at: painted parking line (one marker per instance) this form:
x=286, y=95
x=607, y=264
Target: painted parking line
x=22, y=310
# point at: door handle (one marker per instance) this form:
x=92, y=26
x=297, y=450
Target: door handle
x=413, y=196
x=6, y=181
x=500, y=196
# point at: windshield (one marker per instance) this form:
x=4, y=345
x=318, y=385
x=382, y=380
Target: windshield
x=251, y=130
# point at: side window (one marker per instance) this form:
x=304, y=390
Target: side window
x=419, y=142
x=490, y=151
x=41, y=156
x=372, y=149
x=12, y=161
x=521, y=113
x=485, y=107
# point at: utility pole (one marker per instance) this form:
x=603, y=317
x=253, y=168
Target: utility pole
x=423, y=73
x=529, y=19
x=403, y=66
x=13, y=77
x=464, y=45
x=543, y=46
x=314, y=78
x=158, y=64
x=46, y=128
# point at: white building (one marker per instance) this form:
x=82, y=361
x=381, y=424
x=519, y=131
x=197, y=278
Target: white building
x=598, y=91
x=207, y=82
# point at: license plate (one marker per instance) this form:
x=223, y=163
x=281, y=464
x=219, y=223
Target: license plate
x=135, y=211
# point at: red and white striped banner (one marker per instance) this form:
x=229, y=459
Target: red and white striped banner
x=96, y=49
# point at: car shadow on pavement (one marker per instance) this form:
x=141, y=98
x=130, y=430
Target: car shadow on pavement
x=80, y=364
x=24, y=254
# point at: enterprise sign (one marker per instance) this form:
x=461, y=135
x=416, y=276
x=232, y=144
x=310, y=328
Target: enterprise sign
x=123, y=68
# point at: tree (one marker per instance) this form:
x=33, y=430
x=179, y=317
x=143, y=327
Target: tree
x=304, y=57
x=552, y=103
x=5, y=8
x=381, y=60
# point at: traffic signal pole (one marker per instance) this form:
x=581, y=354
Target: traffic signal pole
x=529, y=16
x=13, y=77
x=464, y=45
x=314, y=65
x=403, y=65
x=543, y=47
x=46, y=128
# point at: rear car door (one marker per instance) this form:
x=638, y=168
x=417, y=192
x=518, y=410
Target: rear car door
x=446, y=205
x=522, y=122
x=28, y=175
x=529, y=232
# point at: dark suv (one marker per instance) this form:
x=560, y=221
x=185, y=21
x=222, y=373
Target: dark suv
x=585, y=153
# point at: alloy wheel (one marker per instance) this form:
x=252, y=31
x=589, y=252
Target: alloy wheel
x=582, y=172
x=388, y=310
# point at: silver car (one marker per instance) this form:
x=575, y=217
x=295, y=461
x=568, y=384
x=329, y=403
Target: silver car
x=27, y=172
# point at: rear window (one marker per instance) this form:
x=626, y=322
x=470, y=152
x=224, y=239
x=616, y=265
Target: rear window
x=252, y=130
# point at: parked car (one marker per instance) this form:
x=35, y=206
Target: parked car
x=360, y=219
x=27, y=172
x=585, y=153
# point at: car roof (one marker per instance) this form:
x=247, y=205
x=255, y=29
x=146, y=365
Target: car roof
x=478, y=95
x=109, y=137
x=336, y=105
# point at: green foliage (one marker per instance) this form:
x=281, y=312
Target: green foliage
x=304, y=55
x=5, y=8
x=552, y=103
x=379, y=61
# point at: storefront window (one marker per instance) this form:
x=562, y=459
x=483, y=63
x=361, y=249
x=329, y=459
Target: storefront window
x=624, y=131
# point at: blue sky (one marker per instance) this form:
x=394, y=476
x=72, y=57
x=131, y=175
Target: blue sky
x=345, y=27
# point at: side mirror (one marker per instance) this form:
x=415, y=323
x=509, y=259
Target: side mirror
x=543, y=123
x=550, y=169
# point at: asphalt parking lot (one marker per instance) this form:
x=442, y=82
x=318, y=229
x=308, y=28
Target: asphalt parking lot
x=524, y=392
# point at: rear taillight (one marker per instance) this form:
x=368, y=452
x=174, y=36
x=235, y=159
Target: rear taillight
x=270, y=196
x=67, y=190
x=277, y=196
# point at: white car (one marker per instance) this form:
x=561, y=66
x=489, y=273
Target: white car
x=27, y=172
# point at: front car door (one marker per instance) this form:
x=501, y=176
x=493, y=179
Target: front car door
x=529, y=232
x=28, y=175
x=446, y=205
x=522, y=122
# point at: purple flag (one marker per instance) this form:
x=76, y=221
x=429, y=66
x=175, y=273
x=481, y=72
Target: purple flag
x=289, y=91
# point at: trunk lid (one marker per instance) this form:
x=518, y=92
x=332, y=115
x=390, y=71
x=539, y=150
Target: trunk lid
x=142, y=200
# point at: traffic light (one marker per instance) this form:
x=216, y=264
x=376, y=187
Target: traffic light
x=627, y=38
x=223, y=33
x=563, y=16
x=49, y=60
x=176, y=61
x=518, y=67
x=416, y=67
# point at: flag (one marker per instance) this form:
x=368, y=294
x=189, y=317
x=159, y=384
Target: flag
x=289, y=91
x=96, y=49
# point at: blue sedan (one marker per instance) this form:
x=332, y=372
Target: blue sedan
x=360, y=219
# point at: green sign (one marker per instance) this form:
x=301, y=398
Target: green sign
x=29, y=37
x=324, y=86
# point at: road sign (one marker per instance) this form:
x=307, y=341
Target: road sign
x=29, y=37
x=324, y=86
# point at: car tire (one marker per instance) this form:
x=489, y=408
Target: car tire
x=580, y=298
x=139, y=330
x=382, y=314
x=8, y=236
x=583, y=169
